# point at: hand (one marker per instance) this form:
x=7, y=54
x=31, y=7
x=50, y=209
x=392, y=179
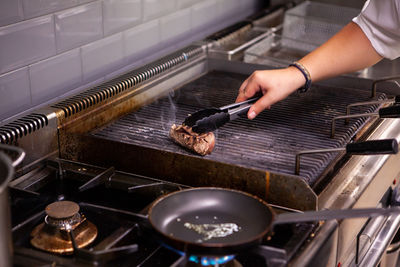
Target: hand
x=275, y=86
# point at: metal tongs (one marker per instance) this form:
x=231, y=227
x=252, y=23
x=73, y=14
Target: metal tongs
x=210, y=119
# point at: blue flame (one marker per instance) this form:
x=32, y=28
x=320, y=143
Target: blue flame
x=207, y=261
x=204, y=260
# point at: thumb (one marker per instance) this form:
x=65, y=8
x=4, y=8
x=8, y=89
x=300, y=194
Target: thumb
x=263, y=103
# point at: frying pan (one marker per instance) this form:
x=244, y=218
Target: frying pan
x=237, y=220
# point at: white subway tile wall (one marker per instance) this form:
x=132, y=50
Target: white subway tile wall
x=140, y=40
x=204, y=14
x=100, y=56
x=157, y=8
x=55, y=76
x=50, y=48
x=185, y=3
x=10, y=12
x=26, y=42
x=79, y=25
x=85, y=1
x=175, y=25
x=35, y=8
x=121, y=14
x=229, y=8
x=14, y=91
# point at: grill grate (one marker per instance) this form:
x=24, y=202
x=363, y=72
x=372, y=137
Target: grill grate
x=269, y=142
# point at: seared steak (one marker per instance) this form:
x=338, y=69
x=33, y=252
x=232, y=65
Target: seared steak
x=202, y=144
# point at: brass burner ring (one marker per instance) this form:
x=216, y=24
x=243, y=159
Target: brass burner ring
x=64, y=224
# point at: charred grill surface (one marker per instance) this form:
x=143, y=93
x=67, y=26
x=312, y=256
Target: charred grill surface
x=270, y=142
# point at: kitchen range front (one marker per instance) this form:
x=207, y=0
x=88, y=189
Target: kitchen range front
x=104, y=184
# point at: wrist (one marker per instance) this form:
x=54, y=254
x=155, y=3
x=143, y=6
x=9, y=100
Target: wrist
x=296, y=78
x=306, y=85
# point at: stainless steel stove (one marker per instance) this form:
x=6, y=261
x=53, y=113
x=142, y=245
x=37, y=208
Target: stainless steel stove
x=104, y=154
x=114, y=203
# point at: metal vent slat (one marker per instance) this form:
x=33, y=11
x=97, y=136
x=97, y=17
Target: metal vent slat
x=269, y=142
x=116, y=86
x=21, y=127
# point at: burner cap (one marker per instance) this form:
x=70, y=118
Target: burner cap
x=63, y=222
x=62, y=209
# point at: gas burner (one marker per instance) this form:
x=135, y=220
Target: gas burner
x=62, y=221
x=200, y=261
x=63, y=215
x=226, y=261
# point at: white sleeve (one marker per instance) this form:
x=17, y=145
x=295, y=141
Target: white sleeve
x=380, y=21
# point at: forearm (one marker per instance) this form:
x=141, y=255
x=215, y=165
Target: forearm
x=348, y=51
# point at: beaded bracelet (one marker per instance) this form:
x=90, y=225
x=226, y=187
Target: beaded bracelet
x=306, y=74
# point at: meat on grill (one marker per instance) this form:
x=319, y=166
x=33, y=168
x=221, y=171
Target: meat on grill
x=202, y=144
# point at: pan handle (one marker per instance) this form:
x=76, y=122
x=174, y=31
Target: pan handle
x=373, y=147
x=394, y=101
x=324, y=215
x=390, y=112
x=19, y=151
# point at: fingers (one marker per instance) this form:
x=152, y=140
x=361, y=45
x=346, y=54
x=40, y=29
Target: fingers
x=264, y=102
x=248, y=88
x=275, y=85
x=255, y=83
x=242, y=91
